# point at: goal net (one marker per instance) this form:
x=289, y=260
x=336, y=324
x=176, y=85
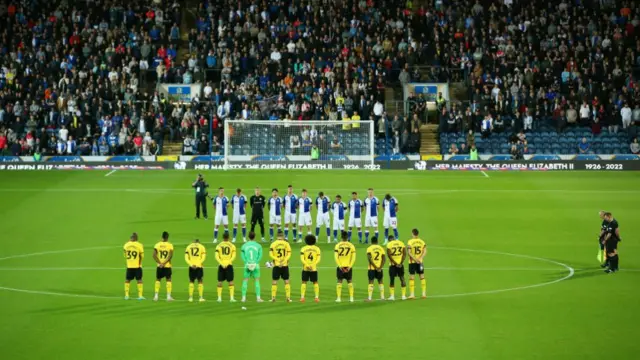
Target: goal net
x=282, y=144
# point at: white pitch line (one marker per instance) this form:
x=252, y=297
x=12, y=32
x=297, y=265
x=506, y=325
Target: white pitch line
x=291, y=267
x=110, y=172
x=484, y=173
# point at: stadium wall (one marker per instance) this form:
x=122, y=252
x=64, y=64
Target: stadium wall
x=416, y=163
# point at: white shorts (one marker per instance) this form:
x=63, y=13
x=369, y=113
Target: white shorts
x=289, y=219
x=338, y=224
x=371, y=222
x=304, y=219
x=222, y=220
x=390, y=222
x=322, y=219
x=275, y=220
x=357, y=222
x=240, y=219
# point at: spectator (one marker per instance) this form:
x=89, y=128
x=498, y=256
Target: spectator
x=626, y=115
x=572, y=116
x=295, y=145
x=188, y=145
x=138, y=141
x=215, y=146
x=335, y=145
x=635, y=146
x=3, y=142
x=584, y=146
x=498, y=124
x=516, y=153
x=463, y=149
x=486, y=127
x=528, y=121
x=453, y=150
x=414, y=141
x=71, y=146
x=404, y=140
x=103, y=148
x=585, y=112
x=63, y=133
x=471, y=139
x=129, y=146
x=203, y=145
x=153, y=148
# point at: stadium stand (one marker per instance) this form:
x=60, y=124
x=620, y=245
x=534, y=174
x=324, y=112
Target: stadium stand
x=558, y=70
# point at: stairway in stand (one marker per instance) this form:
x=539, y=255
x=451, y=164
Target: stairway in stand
x=430, y=145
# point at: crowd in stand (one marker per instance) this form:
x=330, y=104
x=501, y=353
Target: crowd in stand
x=534, y=64
x=76, y=68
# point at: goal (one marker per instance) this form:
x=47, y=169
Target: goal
x=266, y=144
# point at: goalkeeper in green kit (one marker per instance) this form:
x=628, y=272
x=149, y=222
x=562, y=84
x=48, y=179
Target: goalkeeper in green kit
x=251, y=254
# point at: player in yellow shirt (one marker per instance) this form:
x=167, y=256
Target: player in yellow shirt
x=397, y=253
x=345, y=255
x=133, y=253
x=225, y=255
x=310, y=257
x=195, y=255
x=417, y=250
x=162, y=254
x=376, y=258
x=280, y=252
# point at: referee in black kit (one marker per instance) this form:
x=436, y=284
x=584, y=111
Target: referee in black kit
x=257, y=203
x=611, y=240
x=200, y=187
x=602, y=255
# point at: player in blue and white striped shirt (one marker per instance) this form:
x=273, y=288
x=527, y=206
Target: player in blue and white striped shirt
x=304, y=213
x=275, y=212
x=220, y=204
x=322, y=217
x=239, y=205
x=338, y=217
x=390, y=206
x=371, y=204
x=355, y=215
x=290, y=206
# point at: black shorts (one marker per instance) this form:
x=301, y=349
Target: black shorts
x=416, y=269
x=280, y=273
x=344, y=275
x=225, y=274
x=310, y=276
x=395, y=271
x=375, y=275
x=163, y=273
x=196, y=274
x=134, y=273
x=256, y=218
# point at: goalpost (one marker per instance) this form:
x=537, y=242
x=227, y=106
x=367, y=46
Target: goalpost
x=278, y=144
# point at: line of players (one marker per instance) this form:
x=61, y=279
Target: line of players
x=280, y=253
x=292, y=207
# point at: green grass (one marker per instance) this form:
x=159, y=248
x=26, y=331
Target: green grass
x=550, y=218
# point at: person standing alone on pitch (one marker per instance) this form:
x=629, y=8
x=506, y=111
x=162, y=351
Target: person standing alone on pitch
x=257, y=203
x=602, y=254
x=611, y=240
x=200, y=187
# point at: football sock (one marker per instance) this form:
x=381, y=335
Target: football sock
x=370, y=290
x=140, y=287
x=244, y=232
x=156, y=287
x=395, y=233
x=316, y=290
x=366, y=236
x=381, y=287
x=219, y=289
x=303, y=290
x=392, y=291
x=271, y=233
x=423, y=286
x=201, y=290
x=614, y=262
x=403, y=290
x=126, y=289
x=317, y=231
x=328, y=232
x=286, y=234
x=295, y=234
x=376, y=234
x=258, y=289
x=386, y=234
x=226, y=230
x=350, y=232
x=215, y=234
x=360, y=236
x=235, y=232
x=350, y=285
x=274, y=291
x=287, y=291
x=245, y=285
x=232, y=290
x=412, y=286
x=335, y=234
x=339, y=290
x=262, y=230
x=169, y=288
x=191, y=290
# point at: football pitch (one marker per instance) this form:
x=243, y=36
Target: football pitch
x=511, y=270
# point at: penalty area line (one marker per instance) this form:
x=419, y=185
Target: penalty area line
x=110, y=172
x=484, y=173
